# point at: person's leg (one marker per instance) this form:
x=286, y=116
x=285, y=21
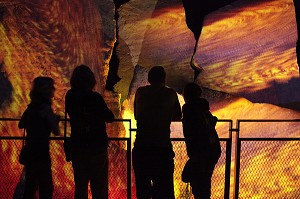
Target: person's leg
x=81, y=180
x=142, y=175
x=163, y=183
x=30, y=181
x=201, y=181
x=45, y=179
x=98, y=174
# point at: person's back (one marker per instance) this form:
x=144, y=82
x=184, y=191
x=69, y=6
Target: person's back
x=39, y=121
x=155, y=106
x=154, y=109
x=193, y=128
x=88, y=114
x=202, y=146
x=38, y=130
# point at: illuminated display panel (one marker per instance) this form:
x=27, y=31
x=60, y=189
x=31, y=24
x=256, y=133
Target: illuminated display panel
x=247, y=51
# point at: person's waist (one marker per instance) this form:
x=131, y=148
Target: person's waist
x=150, y=145
x=90, y=140
x=166, y=151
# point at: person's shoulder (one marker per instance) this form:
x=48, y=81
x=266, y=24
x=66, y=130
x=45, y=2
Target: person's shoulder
x=204, y=103
x=188, y=106
x=185, y=106
x=96, y=96
x=203, y=100
x=45, y=109
x=170, y=91
x=69, y=93
x=143, y=88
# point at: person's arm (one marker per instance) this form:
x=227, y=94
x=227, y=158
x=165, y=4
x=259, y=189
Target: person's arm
x=67, y=104
x=21, y=123
x=136, y=100
x=51, y=119
x=189, y=130
x=108, y=114
x=177, y=114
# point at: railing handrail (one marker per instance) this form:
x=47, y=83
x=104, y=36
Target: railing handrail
x=61, y=120
x=268, y=120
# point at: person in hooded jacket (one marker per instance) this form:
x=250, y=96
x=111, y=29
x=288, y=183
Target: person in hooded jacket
x=201, y=140
x=88, y=114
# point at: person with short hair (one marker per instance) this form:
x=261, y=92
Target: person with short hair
x=155, y=107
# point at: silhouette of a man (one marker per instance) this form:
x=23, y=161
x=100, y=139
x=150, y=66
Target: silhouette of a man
x=155, y=106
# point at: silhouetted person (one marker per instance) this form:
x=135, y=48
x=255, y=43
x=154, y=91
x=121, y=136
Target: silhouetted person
x=88, y=113
x=39, y=121
x=155, y=106
x=202, y=154
x=297, y=12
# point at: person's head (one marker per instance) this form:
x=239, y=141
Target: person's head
x=83, y=78
x=42, y=89
x=157, y=75
x=191, y=91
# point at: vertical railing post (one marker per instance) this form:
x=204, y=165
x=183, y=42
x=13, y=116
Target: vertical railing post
x=129, y=190
x=237, y=161
x=227, y=168
x=228, y=163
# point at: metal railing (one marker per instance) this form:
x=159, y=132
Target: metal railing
x=267, y=166
x=261, y=167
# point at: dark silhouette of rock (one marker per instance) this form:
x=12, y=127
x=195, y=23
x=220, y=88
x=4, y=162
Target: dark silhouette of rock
x=113, y=77
x=195, y=12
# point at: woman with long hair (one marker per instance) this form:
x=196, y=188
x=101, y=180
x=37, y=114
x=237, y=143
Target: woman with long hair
x=88, y=114
x=39, y=121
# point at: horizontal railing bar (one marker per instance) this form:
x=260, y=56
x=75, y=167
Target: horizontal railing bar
x=62, y=119
x=183, y=139
x=268, y=120
x=9, y=119
x=271, y=139
x=220, y=120
x=53, y=138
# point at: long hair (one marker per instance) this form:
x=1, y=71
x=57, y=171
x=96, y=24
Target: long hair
x=83, y=78
x=42, y=89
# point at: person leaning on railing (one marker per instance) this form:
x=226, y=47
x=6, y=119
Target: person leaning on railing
x=202, y=141
x=155, y=106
